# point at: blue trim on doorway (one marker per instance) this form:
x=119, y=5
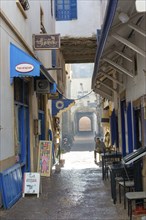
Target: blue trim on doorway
x=123, y=103
x=110, y=13
x=129, y=128
x=112, y=127
x=134, y=129
x=24, y=138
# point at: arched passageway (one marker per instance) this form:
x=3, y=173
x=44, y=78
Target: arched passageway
x=85, y=124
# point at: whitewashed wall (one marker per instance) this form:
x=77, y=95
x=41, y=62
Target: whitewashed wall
x=136, y=87
x=26, y=28
x=31, y=25
x=6, y=101
x=88, y=20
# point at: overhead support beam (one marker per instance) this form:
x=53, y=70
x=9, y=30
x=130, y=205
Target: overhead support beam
x=123, y=55
x=137, y=29
x=107, y=86
x=111, y=78
x=117, y=66
x=129, y=44
x=120, y=25
x=102, y=93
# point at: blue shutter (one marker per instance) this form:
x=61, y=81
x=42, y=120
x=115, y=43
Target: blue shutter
x=135, y=129
x=65, y=9
x=73, y=9
x=59, y=10
x=11, y=185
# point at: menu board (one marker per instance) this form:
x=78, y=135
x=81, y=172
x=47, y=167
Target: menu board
x=31, y=183
x=45, y=158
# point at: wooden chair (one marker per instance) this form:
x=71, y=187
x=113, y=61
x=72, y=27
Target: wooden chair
x=126, y=183
x=135, y=196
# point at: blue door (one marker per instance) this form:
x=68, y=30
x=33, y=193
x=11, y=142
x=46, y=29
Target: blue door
x=24, y=138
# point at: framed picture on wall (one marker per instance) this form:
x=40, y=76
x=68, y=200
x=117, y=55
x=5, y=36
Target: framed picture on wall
x=45, y=158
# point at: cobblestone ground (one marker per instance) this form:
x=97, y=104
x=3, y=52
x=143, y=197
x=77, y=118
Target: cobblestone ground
x=75, y=193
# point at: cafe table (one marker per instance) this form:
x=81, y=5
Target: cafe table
x=108, y=157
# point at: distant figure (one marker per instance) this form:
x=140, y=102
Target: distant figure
x=99, y=148
x=107, y=139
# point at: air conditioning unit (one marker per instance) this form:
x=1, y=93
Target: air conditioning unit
x=42, y=86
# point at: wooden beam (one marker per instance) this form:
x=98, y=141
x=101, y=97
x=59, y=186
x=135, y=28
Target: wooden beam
x=107, y=86
x=129, y=44
x=119, y=67
x=123, y=55
x=102, y=93
x=111, y=78
x=137, y=29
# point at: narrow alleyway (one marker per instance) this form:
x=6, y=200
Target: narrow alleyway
x=75, y=193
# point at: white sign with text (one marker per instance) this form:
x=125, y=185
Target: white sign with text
x=31, y=183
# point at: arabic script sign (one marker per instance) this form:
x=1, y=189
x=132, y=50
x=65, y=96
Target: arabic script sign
x=46, y=42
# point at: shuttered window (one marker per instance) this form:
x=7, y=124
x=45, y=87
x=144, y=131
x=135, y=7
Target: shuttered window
x=65, y=10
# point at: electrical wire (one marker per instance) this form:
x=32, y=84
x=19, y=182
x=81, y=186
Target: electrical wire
x=77, y=98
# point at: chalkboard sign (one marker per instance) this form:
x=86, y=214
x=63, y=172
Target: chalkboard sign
x=45, y=158
x=31, y=183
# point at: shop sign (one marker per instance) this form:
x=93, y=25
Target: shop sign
x=24, y=67
x=45, y=158
x=31, y=183
x=46, y=42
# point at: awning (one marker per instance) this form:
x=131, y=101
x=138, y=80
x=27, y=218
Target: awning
x=111, y=9
x=115, y=55
x=61, y=105
x=24, y=65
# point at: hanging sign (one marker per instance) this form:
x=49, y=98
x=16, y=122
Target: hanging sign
x=45, y=158
x=31, y=183
x=46, y=41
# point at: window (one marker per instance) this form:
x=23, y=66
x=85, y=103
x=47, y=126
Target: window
x=65, y=9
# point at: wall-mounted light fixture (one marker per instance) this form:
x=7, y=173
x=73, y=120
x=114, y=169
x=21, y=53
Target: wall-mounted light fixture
x=123, y=17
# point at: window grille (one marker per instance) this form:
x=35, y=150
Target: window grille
x=65, y=9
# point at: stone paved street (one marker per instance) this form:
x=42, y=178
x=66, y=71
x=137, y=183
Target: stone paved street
x=75, y=193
